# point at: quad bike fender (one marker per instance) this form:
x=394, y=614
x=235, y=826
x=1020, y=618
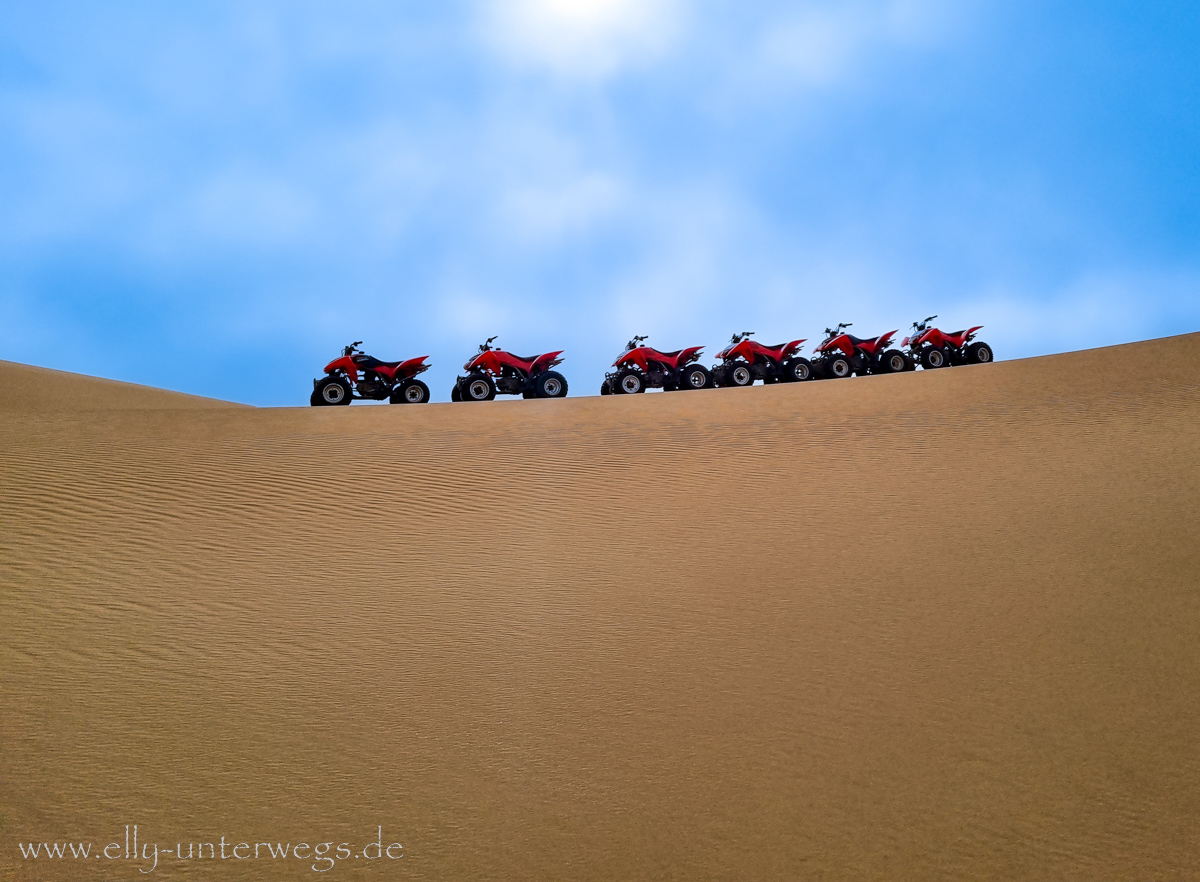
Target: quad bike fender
x=920, y=338
x=885, y=341
x=793, y=347
x=971, y=332
x=488, y=362
x=345, y=364
x=741, y=350
x=545, y=362
x=928, y=336
x=633, y=358
x=686, y=356
x=404, y=370
x=412, y=367
x=837, y=345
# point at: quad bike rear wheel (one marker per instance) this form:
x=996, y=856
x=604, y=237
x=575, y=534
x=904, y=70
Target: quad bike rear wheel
x=797, y=370
x=410, y=392
x=894, y=362
x=550, y=384
x=629, y=382
x=695, y=376
x=740, y=375
x=331, y=391
x=979, y=353
x=933, y=358
x=838, y=367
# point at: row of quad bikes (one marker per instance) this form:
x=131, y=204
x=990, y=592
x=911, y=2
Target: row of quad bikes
x=355, y=375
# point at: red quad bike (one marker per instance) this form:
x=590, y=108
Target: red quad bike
x=935, y=349
x=494, y=371
x=641, y=366
x=393, y=380
x=842, y=354
x=745, y=360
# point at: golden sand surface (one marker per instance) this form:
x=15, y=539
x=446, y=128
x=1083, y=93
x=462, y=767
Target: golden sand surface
x=939, y=625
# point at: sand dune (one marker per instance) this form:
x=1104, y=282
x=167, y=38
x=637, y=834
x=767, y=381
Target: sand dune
x=30, y=390
x=934, y=625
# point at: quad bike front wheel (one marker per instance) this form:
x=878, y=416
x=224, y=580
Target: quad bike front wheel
x=477, y=387
x=630, y=383
x=740, y=375
x=894, y=362
x=550, y=384
x=456, y=393
x=933, y=358
x=979, y=353
x=695, y=376
x=797, y=370
x=410, y=392
x=838, y=367
x=331, y=391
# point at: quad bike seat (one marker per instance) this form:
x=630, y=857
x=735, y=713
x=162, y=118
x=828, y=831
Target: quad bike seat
x=776, y=348
x=860, y=340
x=674, y=354
x=530, y=359
x=955, y=333
x=370, y=363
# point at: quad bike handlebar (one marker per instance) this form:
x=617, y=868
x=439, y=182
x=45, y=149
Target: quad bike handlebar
x=833, y=332
x=352, y=348
x=923, y=323
x=634, y=343
x=486, y=346
x=738, y=338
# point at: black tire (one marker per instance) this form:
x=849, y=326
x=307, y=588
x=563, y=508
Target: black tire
x=738, y=374
x=477, y=387
x=933, y=358
x=838, y=367
x=605, y=388
x=331, y=392
x=550, y=384
x=980, y=353
x=893, y=362
x=629, y=382
x=695, y=376
x=797, y=370
x=456, y=393
x=410, y=392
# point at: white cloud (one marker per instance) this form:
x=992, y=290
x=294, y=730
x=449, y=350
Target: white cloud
x=1096, y=308
x=550, y=213
x=818, y=43
x=587, y=39
x=251, y=207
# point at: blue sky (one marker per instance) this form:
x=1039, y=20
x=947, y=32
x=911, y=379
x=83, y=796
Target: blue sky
x=214, y=197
